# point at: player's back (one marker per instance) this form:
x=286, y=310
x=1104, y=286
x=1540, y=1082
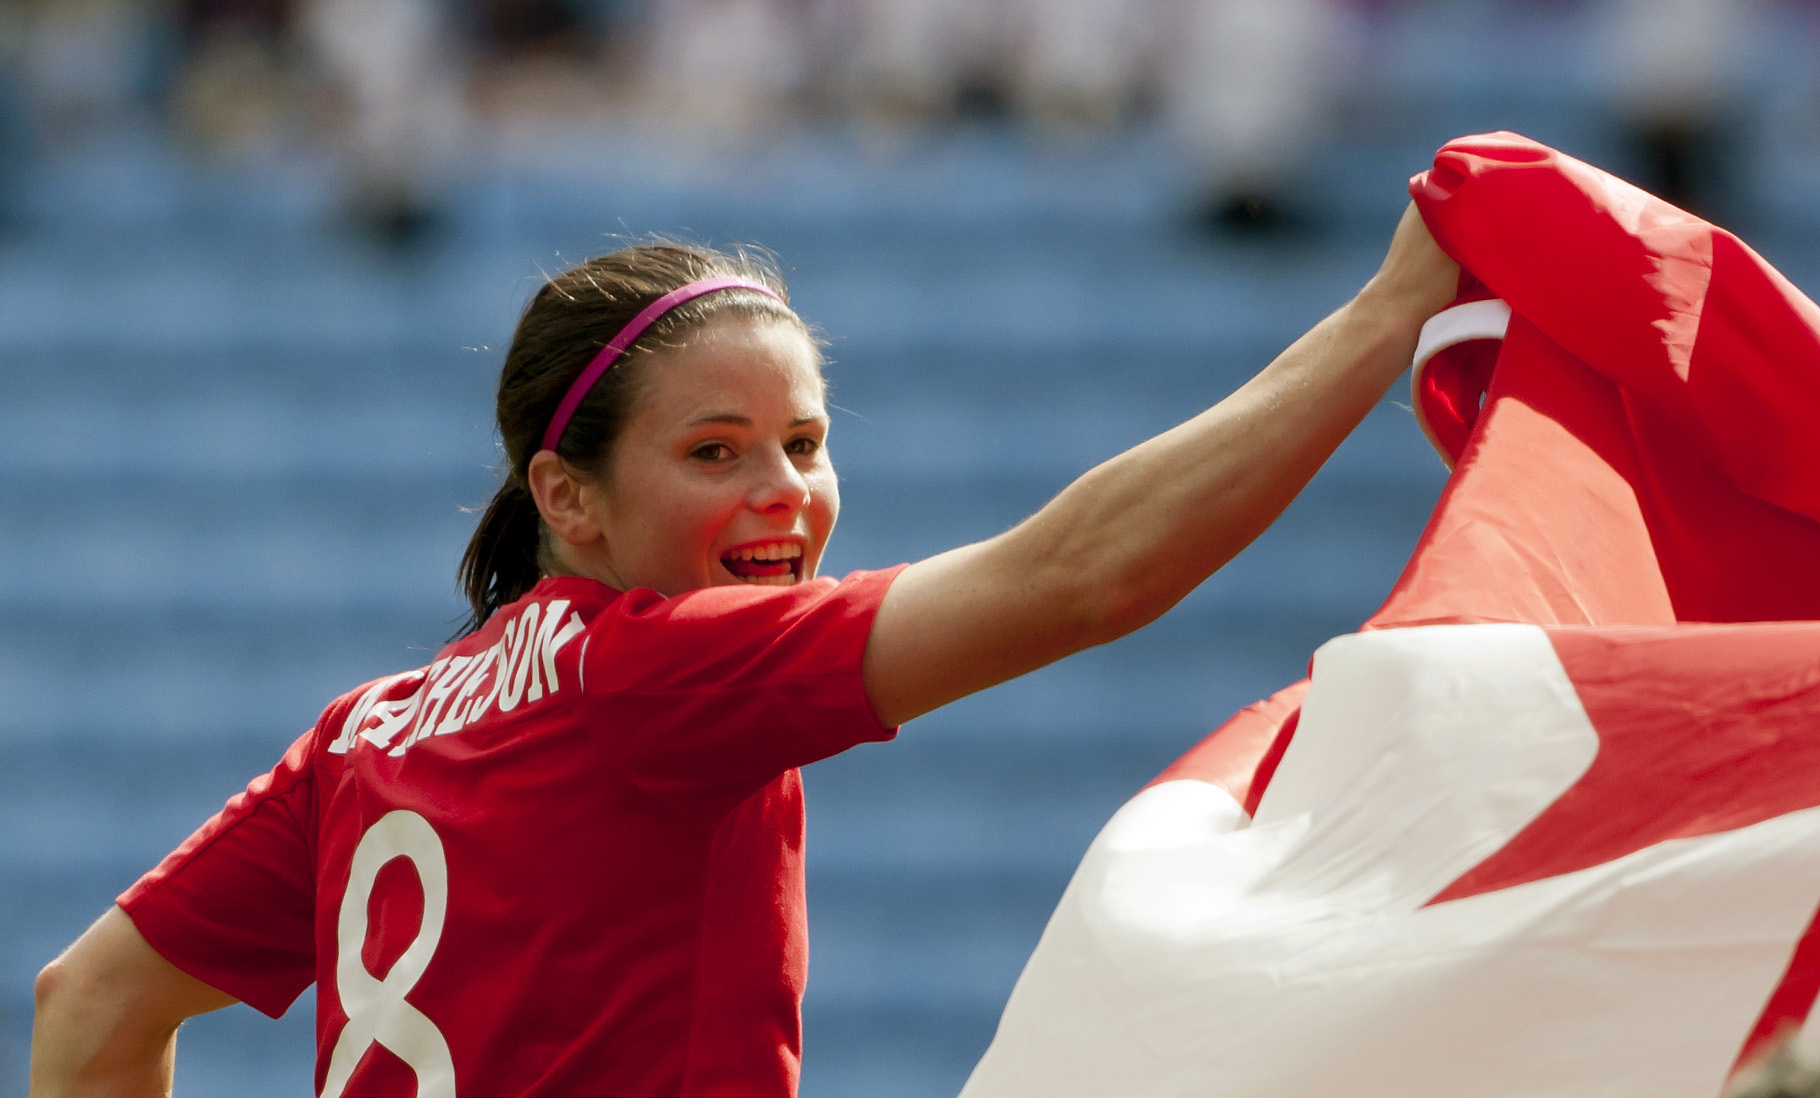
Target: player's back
x=564, y=858
x=497, y=874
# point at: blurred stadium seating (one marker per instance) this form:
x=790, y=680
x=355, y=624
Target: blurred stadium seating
x=236, y=441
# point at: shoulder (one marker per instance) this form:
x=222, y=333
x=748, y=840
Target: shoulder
x=736, y=605
x=647, y=641
x=524, y=652
x=344, y=717
x=736, y=611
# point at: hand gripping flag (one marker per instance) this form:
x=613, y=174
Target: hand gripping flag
x=1550, y=824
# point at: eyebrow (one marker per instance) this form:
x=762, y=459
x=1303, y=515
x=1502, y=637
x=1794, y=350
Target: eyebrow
x=746, y=421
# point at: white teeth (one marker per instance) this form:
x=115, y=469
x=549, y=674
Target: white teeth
x=784, y=580
x=775, y=551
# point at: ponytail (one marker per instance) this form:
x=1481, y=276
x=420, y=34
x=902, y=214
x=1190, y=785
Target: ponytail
x=500, y=565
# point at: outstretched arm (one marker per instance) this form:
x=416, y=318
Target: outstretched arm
x=1130, y=538
x=107, y=1016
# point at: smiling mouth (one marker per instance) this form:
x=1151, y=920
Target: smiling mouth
x=778, y=564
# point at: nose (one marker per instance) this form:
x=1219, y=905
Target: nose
x=778, y=487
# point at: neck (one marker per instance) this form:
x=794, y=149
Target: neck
x=563, y=559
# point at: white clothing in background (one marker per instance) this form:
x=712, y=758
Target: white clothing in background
x=1247, y=83
x=394, y=61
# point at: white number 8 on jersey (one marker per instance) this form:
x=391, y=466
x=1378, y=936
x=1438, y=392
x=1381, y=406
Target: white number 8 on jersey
x=376, y=1010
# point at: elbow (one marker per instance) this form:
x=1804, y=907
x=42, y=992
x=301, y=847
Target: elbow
x=1116, y=607
x=50, y=986
x=1102, y=591
x=1090, y=601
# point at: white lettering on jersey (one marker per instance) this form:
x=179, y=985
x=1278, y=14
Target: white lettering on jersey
x=366, y=707
x=454, y=692
x=521, y=632
x=455, y=713
x=376, y=1009
x=396, y=716
x=550, y=640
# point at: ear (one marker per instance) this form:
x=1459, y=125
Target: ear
x=568, y=505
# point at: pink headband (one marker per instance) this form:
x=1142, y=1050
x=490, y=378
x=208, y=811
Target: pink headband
x=628, y=335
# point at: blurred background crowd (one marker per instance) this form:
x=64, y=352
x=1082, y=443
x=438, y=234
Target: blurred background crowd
x=1242, y=89
x=259, y=258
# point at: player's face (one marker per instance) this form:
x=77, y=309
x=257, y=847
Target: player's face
x=722, y=474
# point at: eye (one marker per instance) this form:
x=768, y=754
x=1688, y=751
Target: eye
x=804, y=445
x=712, y=451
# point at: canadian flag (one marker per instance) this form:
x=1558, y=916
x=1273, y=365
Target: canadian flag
x=1550, y=823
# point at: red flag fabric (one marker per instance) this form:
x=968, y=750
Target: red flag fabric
x=1551, y=822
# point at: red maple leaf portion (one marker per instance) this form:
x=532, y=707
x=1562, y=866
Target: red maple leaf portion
x=1242, y=754
x=1701, y=729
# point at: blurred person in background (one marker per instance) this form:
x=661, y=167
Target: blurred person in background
x=1677, y=72
x=1080, y=63
x=1063, y=64
x=896, y=62
x=398, y=74
x=539, y=60
x=236, y=84
x=528, y=28
x=14, y=139
x=382, y=81
x=722, y=67
x=1242, y=86
x=1247, y=86
x=79, y=65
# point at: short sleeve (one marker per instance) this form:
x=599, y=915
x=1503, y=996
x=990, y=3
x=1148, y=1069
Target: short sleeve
x=732, y=685
x=234, y=906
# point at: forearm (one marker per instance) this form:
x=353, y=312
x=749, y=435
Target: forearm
x=103, y=1073
x=1128, y=539
x=1133, y=536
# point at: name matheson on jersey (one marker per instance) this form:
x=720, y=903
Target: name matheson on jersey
x=456, y=691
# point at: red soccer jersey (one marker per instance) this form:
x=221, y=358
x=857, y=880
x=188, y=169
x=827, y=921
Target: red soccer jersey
x=564, y=858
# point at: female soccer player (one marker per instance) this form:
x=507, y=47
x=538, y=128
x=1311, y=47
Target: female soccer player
x=565, y=857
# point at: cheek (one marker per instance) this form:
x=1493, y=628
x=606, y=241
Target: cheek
x=826, y=494
x=671, y=513
x=707, y=509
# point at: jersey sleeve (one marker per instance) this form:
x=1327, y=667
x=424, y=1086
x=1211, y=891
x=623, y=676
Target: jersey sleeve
x=234, y=906
x=728, y=686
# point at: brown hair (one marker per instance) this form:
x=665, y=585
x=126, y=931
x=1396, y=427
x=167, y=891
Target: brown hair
x=571, y=317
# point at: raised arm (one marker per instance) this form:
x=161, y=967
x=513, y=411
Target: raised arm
x=1130, y=538
x=107, y=1016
